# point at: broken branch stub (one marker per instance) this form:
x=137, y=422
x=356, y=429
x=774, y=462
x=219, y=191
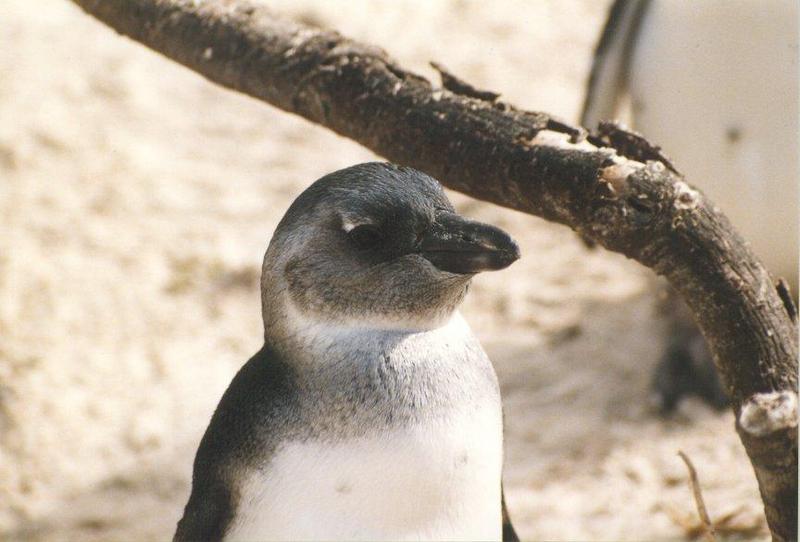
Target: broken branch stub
x=767, y=424
x=613, y=186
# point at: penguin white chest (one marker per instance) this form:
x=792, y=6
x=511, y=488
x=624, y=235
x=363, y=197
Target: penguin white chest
x=729, y=132
x=432, y=480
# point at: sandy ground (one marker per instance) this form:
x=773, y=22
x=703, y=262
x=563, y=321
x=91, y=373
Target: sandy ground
x=137, y=200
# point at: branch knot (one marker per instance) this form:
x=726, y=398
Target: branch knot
x=766, y=413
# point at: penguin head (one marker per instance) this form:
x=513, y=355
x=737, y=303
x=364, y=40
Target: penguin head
x=375, y=246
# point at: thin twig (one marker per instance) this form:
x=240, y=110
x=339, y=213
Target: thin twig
x=459, y=86
x=708, y=530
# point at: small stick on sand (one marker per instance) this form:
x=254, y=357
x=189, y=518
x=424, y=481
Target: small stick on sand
x=708, y=527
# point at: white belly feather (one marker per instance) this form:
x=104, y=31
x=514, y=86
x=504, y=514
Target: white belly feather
x=434, y=478
x=428, y=482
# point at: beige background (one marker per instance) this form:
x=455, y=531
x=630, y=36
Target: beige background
x=136, y=201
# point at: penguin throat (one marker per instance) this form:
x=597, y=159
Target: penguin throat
x=314, y=322
x=299, y=327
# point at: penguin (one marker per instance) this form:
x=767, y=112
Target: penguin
x=715, y=84
x=371, y=412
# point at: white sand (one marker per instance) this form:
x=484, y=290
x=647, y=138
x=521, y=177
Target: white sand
x=137, y=200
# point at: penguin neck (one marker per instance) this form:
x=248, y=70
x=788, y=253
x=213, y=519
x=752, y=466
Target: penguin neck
x=302, y=332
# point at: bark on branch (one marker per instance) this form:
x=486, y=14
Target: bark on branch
x=612, y=187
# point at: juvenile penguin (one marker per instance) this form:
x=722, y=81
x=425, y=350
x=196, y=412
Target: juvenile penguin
x=371, y=412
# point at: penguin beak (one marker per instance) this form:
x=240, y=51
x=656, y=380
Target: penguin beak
x=458, y=245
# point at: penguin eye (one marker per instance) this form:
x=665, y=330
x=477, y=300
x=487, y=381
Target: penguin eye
x=365, y=236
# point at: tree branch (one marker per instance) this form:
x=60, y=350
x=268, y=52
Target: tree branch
x=613, y=187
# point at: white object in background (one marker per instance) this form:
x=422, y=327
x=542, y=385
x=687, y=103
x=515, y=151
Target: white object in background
x=715, y=84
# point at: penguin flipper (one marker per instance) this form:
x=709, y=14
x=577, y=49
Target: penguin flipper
x=509, y=534
x=242, y=433
x=207, y=515
x=611, y=61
